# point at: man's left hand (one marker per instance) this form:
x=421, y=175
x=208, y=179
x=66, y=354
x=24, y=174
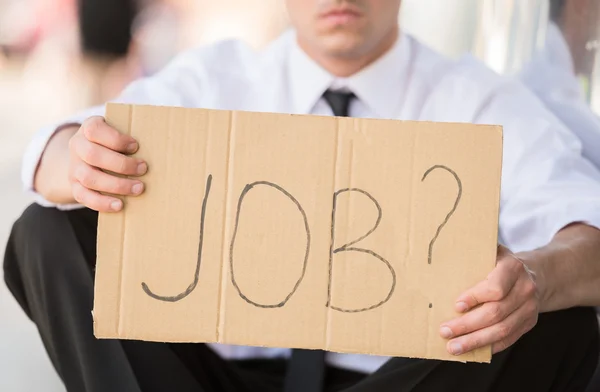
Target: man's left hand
x=497, y=311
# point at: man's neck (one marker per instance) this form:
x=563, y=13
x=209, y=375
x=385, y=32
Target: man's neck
x=345, y=66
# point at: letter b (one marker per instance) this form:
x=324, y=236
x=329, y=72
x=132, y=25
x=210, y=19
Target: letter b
x=350, y=248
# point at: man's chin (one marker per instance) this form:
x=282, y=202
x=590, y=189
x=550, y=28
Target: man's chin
x=343, y=44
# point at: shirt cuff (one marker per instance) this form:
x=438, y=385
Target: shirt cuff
x=588, y=214
x=35, y=150
x=546, y=223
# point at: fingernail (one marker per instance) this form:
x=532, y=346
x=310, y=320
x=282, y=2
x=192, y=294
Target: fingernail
x=455, y=348
x=116, y=205
x=137, y=188
x=132, y=147
x=462, y=307
x=446, y=332
x=142, y=167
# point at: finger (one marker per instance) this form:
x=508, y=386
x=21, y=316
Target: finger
x=496, y=286
x=104, y=158
x=98, y=131
x=504, y=333
x=97, y=180
x=491, y=313
x=484, y=316
x=512, y=339
x=95, y=200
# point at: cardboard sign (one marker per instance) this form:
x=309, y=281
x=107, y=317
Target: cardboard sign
x=258, y=229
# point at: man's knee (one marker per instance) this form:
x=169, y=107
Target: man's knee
x=26, y=235
x=574, y=330
x=582, y=319
x=39, y=239
x=36, y=222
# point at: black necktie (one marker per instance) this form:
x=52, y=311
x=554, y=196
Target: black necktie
x=339, y=102
x=306, y=369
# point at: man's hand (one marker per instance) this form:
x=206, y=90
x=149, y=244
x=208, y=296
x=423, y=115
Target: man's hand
x=497, y=311
x=95, y=150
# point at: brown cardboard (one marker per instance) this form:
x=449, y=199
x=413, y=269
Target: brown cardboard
x=255, y=192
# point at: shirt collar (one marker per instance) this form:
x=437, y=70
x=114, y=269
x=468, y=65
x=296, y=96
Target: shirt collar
x=379, y=86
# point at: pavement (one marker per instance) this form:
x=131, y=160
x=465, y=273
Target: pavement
x=24, y=364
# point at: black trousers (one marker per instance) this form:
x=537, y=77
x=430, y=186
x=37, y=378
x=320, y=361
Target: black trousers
x=48, y=267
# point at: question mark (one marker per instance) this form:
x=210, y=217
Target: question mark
x=458, y=196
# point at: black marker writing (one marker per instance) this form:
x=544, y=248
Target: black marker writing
x=247, y=189
x=348, y=248
x=458, y=196
x=192, y=285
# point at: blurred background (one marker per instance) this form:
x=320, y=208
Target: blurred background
x=58, y=56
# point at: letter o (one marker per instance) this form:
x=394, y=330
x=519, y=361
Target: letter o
x=247, y=189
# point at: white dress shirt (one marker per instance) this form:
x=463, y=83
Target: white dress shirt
x=551, y=76
x=545, y=182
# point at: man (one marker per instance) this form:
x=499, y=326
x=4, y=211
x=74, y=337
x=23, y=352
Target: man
x=571, y=44
x=343, y=58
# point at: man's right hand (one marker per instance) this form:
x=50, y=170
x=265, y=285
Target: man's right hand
x=96, y=151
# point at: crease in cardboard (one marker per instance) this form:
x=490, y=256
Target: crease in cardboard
x=207, y=174
x=349, y=208
x=228, y=185
x=382, y=316
x=499, y=174
x=414, y=186
x=409, y=243
x=327, y=342
x=119, y=326
x=428, y=338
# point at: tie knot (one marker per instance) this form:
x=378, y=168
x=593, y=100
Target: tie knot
x=339, y=102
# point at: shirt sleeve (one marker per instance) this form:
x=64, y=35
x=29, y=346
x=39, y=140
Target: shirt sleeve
x=176, y=85
x=36, y=147
x=546, y=182
x=577, y=115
